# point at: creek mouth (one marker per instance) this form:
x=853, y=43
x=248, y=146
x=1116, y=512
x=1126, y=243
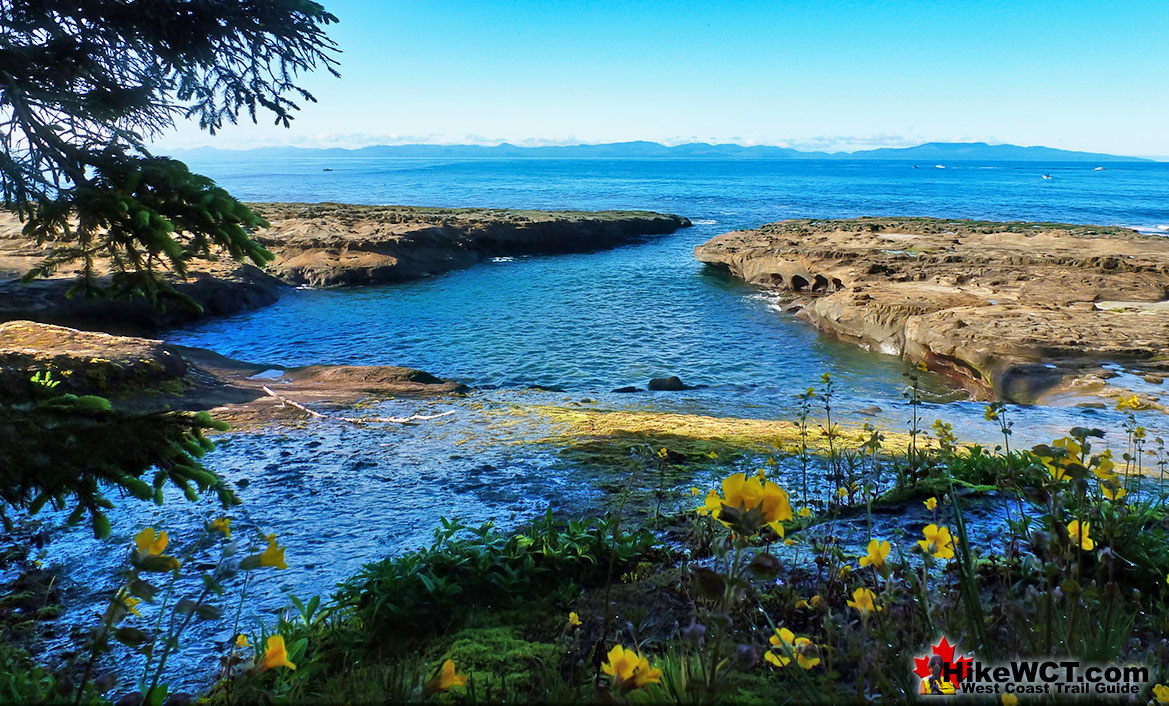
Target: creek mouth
x=340, y=495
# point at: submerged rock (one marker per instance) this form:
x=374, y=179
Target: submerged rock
x=1010, y=310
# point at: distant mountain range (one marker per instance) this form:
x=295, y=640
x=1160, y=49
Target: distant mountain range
x=930, y=152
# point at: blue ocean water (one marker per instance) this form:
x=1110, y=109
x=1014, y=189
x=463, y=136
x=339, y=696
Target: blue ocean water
x=594, y=322
x=339, y=495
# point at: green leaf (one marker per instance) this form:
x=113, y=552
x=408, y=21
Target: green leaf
x=131, y=637
x=101, y=525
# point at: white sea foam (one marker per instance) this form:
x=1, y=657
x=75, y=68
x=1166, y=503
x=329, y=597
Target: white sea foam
x=704, y=221
x=1157, y=229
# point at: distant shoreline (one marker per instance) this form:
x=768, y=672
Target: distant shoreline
x=926, y=154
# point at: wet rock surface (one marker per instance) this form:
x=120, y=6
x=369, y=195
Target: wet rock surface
x=668, y=384
x=1013, y=310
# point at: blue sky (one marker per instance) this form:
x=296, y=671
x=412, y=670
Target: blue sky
x=823, y=75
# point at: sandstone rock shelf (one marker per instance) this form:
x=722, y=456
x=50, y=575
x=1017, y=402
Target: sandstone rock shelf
x=1013, y=310
x=146, y=375
x=326, y=245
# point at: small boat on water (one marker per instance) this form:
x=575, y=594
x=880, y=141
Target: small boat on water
x=1046, y=176
x=327, y=169
x=939, y=166
x=1098, y=169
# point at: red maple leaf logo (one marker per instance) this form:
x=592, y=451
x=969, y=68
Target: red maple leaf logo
x=946, y=651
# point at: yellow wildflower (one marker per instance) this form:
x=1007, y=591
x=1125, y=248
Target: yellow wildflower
x=150, y=543
x=241, y=640
x=805, y=512
x=1105, y=468
x=744, y=495
x=938, y=542
x=817, y=601
x=807, y=655
x=922, y=366
x=1130, y=402
x=789, y=542
x=694, y=491
x=131, y=602
x=1112, y=490
x=841, y=492
x=149, y=547
x=663, y=452
x=931, y=504
x=802, y=603
x=275, y=655
x=788, y=645
x=991, y=414
x=1079, y=535
x=273, y=555
x=1073, y=446
x=627, y=669
x=1161, y=693
x=865, y=602
x=448, y=677
x=712, y=454
x=877, y=552
x=573, y=619
x=223, y=524
x=1010, y=700
x=845, y=570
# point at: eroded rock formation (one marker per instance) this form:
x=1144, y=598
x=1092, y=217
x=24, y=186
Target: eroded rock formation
x=324, y=245
x=1010, y=309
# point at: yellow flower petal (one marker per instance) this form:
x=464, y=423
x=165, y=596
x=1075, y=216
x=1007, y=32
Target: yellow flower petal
x=275, y=655
x=273, y=555
x=150, y=543
x=449, y=678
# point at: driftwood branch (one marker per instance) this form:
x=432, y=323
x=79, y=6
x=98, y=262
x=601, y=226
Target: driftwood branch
x=356, y=420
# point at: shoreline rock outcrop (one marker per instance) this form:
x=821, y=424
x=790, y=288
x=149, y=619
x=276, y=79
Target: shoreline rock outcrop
x=146, y=374
x=323, y=245
x=330, y=244
x=1016, y=311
